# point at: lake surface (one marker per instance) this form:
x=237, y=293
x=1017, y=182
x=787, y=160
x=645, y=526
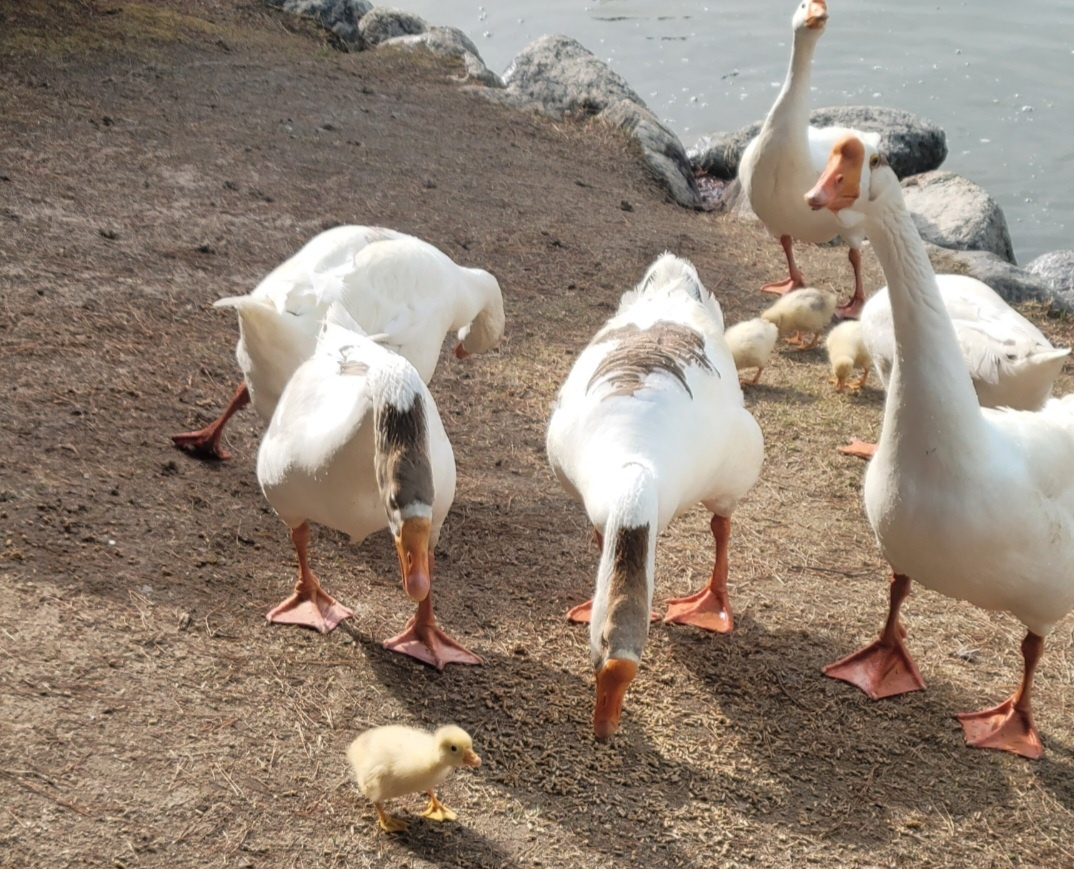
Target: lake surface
x=997, y=76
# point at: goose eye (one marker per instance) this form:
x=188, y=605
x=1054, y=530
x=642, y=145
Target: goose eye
x=454, y=748
x=874, y=161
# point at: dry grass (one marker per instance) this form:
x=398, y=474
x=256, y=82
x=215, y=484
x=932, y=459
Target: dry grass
x=152, y=717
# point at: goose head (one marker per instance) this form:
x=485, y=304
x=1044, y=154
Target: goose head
x=405, y=479
x=857, y=176
x=810, y=17
x=619, y=625
x=484, y=332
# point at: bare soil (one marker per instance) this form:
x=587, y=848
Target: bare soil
x=156, y=156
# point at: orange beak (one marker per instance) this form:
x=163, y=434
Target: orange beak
x=471, y=758
x=412, y=545
x=613, y=679
x=460, y=351
x=839, y=186
x=816, y=14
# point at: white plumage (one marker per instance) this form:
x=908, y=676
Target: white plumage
x=402, y=290
x=650, y=421
x=1009, y=360
x=974, y=503
x=356, y=443
x=783, y=161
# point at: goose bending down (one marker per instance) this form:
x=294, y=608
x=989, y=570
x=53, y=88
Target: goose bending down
x=649, y=421
x=783, y=161
x=356, y=443
x=404, y=290
x=847, y=352
x=975, y=503
x=1010, y=361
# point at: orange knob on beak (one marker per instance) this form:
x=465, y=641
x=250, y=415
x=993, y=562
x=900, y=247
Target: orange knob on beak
x=816, y=14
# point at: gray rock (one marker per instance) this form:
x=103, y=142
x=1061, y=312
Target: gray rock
x=911, y=144
x=1014, y=284
x=449, y=42
x=663, y=151
x=382, y=23
x=953, y=212
x=735, y=201
x=558, y=76
x=339, y=16
x=1056, y=271
x=709, y=154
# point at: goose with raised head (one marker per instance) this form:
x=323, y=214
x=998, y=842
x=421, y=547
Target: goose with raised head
x=781, y=163
x=356, y=443
x=649, y=422
x=974, y=503
x=397, y=287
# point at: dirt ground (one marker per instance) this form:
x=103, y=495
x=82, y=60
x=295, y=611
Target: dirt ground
x=156, y=156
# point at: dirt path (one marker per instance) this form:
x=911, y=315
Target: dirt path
x=156, y=156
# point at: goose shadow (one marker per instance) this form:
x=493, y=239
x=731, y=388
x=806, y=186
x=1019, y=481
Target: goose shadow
x=841, y=765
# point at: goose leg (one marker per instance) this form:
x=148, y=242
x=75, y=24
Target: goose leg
x=795, y=277
x=883, y=668
x=852, y=309
x=1009, y=726
x=709, y=608
x=309, y=606
x=436, y=810
x=423, y=639
x=205, y=443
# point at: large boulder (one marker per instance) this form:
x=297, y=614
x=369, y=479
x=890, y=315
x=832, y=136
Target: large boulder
x=663, y=151
x=558, y=76
x=911, y=144
x=953, y=212
x=1014, y=284
x=449, y=42
x=339, y=16
x=383, y=23
x=1056, y=271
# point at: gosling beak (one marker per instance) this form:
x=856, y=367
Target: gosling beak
x=460, y=351
x=471, y=758
x=412, y=545
x=816, y=15
x=613, y=679
x=839, y=186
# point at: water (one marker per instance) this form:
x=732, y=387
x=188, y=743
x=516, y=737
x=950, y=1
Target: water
x=995, y=75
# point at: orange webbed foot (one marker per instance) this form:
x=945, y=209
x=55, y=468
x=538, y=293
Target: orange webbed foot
x=880, y=669
x=1004, y=727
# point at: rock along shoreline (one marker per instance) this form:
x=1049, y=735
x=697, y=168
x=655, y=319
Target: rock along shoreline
x=557, y=76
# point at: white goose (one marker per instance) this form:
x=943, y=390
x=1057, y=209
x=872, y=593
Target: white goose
x=977, y=504
x=783, y=161
x=403, y=290
x=356, y=443
x=650, y=421
x=1010, y=361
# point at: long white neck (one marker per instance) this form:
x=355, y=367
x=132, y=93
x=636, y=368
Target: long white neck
x=623, y=599
x=930, y=401
x=791, y=108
